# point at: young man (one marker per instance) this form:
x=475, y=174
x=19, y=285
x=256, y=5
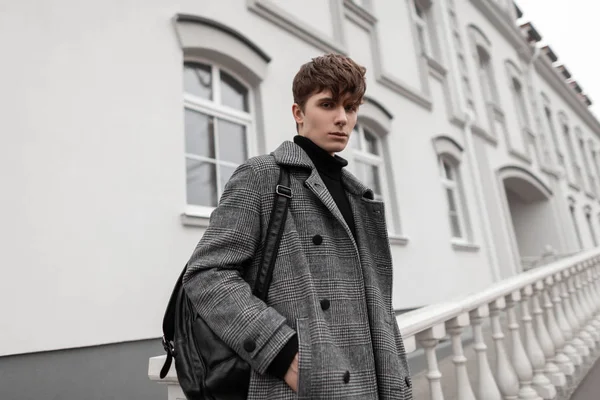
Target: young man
x=328, y=330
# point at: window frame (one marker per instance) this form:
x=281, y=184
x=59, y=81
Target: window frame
x=215, y=109
x=360, y=154
x=425, y=24
x=449, y=150
x=575, y=177
x=455, y=187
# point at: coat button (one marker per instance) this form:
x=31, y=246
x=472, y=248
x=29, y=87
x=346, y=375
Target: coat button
x=317, y=239
x=325, y=304
x=407, y=381
x=249, y=345
x=346, y=376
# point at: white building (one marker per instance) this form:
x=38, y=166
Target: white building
x=123, y=119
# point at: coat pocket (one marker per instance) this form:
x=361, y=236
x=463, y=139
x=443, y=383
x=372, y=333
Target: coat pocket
x=304, y=358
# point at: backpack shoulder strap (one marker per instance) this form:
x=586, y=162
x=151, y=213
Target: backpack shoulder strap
x=283, y=194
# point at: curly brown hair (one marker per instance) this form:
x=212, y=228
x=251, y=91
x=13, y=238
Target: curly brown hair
x=335, y=72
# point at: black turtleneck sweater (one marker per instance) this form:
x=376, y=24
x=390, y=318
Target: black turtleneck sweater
x=330, y=171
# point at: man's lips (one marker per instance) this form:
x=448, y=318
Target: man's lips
x=338, y=134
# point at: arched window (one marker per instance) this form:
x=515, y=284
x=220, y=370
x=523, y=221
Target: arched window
x=218, y=123
x=576, y=176
x=486, y=75
x=422, y=16
x=369, y=160
x=549, y=122
x=449, y=157
x=451, y=182
x=573, y=213
x=222, y=69
x=588, y=217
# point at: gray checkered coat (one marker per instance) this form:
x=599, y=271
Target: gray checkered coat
x=333, y=291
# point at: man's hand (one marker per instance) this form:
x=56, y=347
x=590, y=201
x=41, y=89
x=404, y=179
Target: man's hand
x=291, y=376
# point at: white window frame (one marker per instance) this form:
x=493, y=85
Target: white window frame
x=455, y=186
x=549, y=121
x=422, y=28
x=519, y=101
x=214, y=108
x=573, y=212
x=588, y=217
x=360, y=154
x=576, y=177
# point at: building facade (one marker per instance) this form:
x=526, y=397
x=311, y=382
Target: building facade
x=123, y=121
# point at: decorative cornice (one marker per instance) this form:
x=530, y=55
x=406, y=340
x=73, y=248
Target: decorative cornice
x=506, y=28
x=292, y=24
x=377, y=104
x=558, y=83
x=226, y=29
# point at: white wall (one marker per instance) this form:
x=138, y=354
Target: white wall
x=94, y=172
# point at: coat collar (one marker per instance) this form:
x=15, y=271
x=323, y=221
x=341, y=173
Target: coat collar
x=289, y=154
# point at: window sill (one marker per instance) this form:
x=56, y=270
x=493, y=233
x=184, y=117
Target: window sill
x=436, y=67
x=520, y=156
x=364, y=13
x=590, y=195
x=550, y=171
x=482, y=133
x=398, y=240
x=199, y=219
x=459, y=245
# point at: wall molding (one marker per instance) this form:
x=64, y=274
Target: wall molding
x=295, y=26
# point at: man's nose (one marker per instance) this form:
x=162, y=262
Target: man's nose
x=340, y=117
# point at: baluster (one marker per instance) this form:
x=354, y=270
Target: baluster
x=541, y=383
x=597, y=279
x=562, y=361
x=486, y=388
x=578, y=311
x=551, y=369
x=585, y=280
x=455, y=327
x=520, y=361
x=590, y=278
x=586, y=311
x=506, y=377
x=571, y=319
x=429, y=340
x=565, y=328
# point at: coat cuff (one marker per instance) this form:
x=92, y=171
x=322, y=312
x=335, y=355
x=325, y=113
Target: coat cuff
x=281, y=363
x=261, y=344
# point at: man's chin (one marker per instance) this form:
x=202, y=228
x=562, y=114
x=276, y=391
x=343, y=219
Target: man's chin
x=335, y=148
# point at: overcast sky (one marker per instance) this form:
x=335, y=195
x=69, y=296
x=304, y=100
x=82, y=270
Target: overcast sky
x=572, y=29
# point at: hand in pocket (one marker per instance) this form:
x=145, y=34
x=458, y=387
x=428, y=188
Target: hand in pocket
x=291, y=376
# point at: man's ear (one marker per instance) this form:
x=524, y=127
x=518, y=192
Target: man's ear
x=297, y=113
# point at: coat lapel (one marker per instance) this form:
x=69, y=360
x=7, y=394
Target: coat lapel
x=289, y=154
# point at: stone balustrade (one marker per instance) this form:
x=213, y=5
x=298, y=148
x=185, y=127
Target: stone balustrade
x=544, y=326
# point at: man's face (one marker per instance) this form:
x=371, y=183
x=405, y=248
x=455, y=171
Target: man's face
x=327, y=123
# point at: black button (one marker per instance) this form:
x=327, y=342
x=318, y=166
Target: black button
x=407, y=381
x=346, y=376
x=317, y=239
x=249, y=345
x=325, y=304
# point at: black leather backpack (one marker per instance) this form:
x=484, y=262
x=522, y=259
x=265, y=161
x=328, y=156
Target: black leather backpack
x=206, y=367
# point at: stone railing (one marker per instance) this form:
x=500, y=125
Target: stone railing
x=555, y=308
x=558, y=307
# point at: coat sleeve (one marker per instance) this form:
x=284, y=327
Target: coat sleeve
x=214, y=283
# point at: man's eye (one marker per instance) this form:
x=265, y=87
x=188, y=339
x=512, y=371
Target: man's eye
x=326, y=105
x=350, y=108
